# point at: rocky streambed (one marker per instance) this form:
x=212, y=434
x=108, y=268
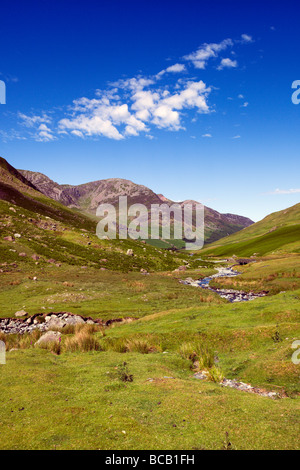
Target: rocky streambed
x=229, y=294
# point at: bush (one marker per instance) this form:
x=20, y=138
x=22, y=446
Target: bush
x=123, y=373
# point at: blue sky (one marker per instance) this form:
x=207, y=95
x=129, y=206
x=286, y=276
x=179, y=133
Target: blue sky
x=190, y=98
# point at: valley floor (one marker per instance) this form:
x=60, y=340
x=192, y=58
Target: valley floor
x=92, y=400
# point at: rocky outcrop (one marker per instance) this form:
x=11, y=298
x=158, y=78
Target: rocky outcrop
x=42, y=322
x=47, y=322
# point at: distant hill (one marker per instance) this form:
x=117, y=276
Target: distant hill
x=278, y=232
x=88, y=196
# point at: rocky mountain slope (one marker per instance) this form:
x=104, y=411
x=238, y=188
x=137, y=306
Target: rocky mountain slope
x=88, y=196
x=36, y=230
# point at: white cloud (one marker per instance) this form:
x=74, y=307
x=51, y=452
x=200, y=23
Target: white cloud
x=44, y=134
x=207, y=135
x=285, y=191
x=176, y=68
x=227, y=63
x=31, y=121
x=245, y=105
x=91, y=126
x=131, y=106
x=236, y=137
x=246, y=38
x=101, y=117
x=77, y=133
x=116, y=120
x=207, y=51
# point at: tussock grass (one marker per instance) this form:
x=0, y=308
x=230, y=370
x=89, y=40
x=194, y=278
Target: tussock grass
x=125, y=345
x=203, y=358
x=83, y=340
x=198, y=353
x=16, y=341
x=215, y=374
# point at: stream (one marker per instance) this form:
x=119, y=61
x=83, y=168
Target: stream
x=229, y=294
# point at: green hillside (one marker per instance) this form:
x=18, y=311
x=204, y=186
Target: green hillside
x=278, y=232
x=49, y=230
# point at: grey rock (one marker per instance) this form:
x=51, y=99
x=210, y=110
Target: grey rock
x=49, y=337
x=21, y=313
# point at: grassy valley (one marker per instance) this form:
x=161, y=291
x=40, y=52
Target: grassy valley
x=130, y=384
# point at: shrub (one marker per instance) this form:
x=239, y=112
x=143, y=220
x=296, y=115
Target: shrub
x=123, y=373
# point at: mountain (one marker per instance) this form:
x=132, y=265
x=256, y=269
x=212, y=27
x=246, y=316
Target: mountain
x=88, y=196
x=35, y=229
x=278, y=232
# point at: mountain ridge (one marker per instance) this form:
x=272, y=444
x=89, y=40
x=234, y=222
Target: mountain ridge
x=88, y=196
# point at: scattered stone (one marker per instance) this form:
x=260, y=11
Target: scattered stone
x=243, y=387
x=35, y=257
x=9, y=238
x=21, y=313
x=22, y=254
x=12, y=209
x=17, y=235
x=182, y=268
x=130, y=252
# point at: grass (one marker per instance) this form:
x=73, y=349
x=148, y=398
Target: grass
x=267, y=243
x=277, y=232
x=82, y=341
x=99, y=294
x=273, y=274
x=77, y=401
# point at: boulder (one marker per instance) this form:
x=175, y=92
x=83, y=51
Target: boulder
x=49, y=337
x=74, y=320
x=21, y=313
